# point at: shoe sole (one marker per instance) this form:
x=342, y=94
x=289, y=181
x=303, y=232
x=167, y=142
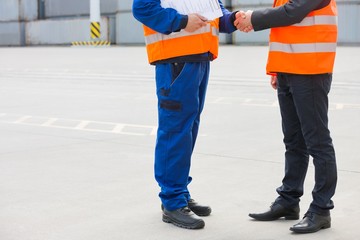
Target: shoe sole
x=197, y=225
x=288, y=217
x=299, y=230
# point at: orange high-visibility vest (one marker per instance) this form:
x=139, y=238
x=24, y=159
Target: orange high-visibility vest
x=161, y=46
x=307, y=47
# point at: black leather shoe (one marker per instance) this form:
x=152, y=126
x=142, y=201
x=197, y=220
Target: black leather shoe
x=198, y=209
x=312, y=222
x=277, y=211
x=183, y=217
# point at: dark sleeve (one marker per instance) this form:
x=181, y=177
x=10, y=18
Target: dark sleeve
x=226, y=24
x=290, y=13
x=163, y=20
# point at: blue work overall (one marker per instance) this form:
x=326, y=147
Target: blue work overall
x=181, y=89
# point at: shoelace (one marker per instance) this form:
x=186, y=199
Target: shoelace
x=309, y=214
x=185, y=210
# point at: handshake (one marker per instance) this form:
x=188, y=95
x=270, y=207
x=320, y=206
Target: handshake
x=243, y=21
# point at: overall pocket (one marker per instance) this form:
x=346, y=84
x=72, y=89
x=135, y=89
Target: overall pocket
x=176, y=69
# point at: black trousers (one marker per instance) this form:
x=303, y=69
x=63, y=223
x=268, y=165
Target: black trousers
x=303, y=101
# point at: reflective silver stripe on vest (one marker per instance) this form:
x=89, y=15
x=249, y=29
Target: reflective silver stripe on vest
x=317, y=20
x=215, y=31
x=156, y=37
x=302, y=47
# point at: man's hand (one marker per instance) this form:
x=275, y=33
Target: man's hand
x=243, y=21
x=195, y=21
x=273, y=82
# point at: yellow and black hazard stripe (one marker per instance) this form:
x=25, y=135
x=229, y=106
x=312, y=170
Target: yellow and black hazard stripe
x=91, y=43
x=95, y=30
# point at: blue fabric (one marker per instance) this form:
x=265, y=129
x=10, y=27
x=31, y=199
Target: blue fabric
x=303, y=101
x=181, y=94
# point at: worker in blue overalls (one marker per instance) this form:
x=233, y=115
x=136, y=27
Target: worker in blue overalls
x=181, y=48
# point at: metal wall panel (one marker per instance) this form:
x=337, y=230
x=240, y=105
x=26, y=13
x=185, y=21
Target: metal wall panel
x=64, y=8
x=9, y=10
x=59, y=8
x=62, y=31
x=349, y=23
x=109, y=6
x=18, y=10
x=28, y=10
x=256, y=38
x=112, y=28
x=10, y=34
x=124, y=5
x=224, y=38
x=129, y=30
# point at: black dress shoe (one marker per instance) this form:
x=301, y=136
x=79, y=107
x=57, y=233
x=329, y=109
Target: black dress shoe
x=277, y=211
x=312, y=222
x=198, y=209
x=183, y=217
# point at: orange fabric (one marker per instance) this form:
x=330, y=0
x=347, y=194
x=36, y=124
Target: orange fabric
x=303, y=63
x=182, y=46
x=308, y=34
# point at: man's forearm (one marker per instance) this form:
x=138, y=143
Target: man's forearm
x=290, y=13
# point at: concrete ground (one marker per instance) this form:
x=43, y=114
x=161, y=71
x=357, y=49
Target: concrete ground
x=77, y=140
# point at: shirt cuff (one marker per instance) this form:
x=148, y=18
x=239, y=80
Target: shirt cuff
x=183, y=21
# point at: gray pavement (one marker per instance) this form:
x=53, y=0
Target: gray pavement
x=77, y=136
